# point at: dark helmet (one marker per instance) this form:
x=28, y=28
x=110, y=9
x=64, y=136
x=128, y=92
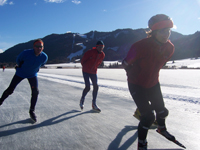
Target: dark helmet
x=99, y=43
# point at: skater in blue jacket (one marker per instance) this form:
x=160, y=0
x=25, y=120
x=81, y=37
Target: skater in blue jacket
x=28, y=64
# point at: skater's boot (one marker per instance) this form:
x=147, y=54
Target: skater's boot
x=81, y=103
x=32, y=115
x=163, y=131
x=142, y=144
x=95, y=107
x=1, y=102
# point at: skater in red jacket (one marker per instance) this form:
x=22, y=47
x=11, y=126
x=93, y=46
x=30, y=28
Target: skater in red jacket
x=90, y=62
x=142, y=64
x=3, y=68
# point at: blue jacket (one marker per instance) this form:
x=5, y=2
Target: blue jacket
x=29, y=64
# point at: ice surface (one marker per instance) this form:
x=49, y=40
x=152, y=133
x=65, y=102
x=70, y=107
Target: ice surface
x=62, y=126
x=182, y=85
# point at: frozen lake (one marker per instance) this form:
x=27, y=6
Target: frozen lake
x=62, y=126
x=176, y=84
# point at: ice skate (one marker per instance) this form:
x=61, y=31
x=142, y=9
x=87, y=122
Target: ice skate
x=96, y=108
x=142, y=145
x=81, y=104
x=33, y=116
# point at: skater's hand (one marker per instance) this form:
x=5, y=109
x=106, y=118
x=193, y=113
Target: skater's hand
x=126, y=66
x=19, y=66
x=16, y=66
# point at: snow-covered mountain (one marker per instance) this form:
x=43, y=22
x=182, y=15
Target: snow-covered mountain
x=67, y=47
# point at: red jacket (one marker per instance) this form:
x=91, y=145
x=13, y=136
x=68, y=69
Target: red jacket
x=91, y=60
x=146, y=57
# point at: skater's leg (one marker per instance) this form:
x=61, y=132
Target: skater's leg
x=34, y=89
x=147, y=119
x=14, y=82
x=34, y=96
x=94, y=79
x=158, y=105
x=147, y=116
x=161, y=112
x=87, y=86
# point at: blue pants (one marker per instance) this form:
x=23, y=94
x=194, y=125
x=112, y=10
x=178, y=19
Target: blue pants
x=93, y=78
x=34, y=89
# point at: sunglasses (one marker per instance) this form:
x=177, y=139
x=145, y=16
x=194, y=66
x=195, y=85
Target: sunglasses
x=39, y=46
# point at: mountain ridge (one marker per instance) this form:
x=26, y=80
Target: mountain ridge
x=67, y=47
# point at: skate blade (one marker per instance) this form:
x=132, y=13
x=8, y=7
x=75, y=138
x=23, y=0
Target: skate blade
x=34, y=121
x=174, y=141
x=179, y=144
x=96, y=110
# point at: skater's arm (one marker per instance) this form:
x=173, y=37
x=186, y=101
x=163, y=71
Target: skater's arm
x=85, y=57
x=20, y=60
x=131, y=58
x=45, y=60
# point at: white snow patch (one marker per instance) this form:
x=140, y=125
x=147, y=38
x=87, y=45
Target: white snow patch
x=113, y=48
x=78, y=53
x=126, y=32
x=189, y=63
x=92, y=36
x=64, y=65
x=78, y=65
x=82, y=35
x=1, y=51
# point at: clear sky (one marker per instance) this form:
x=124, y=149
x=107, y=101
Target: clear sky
x=25, y=20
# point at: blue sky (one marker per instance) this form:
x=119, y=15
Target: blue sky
x=25, y=20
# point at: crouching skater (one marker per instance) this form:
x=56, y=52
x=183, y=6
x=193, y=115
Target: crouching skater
x=28, y=64
x=142, y=64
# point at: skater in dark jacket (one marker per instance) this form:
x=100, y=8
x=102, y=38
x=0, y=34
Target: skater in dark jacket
x=90, y=62
x=142, y=64
x=28, y=64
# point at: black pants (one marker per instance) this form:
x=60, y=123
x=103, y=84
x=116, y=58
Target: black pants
x=148, y=100
x=34, y=89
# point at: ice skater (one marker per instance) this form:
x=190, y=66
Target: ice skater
x=142, y=64
x=28, y=64
x=3, y=67
x=90, y=62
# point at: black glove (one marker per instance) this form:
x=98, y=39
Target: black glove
x=16, y=66
x=19, y=66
